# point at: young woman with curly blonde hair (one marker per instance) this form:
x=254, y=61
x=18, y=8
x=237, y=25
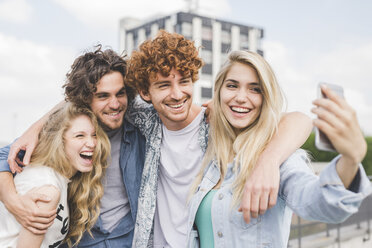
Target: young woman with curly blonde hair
x=67, y=166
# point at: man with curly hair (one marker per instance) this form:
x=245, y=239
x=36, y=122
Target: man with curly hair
x=96, y=81
x=164, y=70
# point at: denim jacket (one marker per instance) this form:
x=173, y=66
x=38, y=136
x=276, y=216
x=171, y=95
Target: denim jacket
x=322, y=198
x=145, y=117
x=132, y=153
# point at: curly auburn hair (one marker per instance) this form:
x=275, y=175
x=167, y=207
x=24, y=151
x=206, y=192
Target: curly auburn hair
x=87, y=70
x=165, y=52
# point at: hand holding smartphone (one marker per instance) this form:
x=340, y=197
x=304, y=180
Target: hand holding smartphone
x=321, y=140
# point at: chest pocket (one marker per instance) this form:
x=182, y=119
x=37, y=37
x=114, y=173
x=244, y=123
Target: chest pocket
x=237, y=219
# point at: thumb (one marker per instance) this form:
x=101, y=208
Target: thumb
x=40, y=197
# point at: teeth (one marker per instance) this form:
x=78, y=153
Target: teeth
x=240, y=110
x=176, y=106
x=113, y=114
x=88, y=154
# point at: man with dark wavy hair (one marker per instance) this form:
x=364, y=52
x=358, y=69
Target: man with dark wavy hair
x=96, y=80
x=164, y=70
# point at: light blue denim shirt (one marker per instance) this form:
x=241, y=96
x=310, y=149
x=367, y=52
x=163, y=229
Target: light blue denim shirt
x=322, y=198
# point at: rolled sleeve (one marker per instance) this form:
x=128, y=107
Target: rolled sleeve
x=337, y=195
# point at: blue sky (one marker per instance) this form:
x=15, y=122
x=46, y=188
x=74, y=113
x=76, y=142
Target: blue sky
x=305, y=42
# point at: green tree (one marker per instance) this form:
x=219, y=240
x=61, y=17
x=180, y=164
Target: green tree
x=322, y=156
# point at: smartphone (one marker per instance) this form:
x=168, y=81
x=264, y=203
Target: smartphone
x=321, y=140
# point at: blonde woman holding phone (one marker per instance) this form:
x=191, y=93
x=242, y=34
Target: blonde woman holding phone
x=247, y=107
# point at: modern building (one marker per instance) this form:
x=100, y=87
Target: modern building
x=215, y=37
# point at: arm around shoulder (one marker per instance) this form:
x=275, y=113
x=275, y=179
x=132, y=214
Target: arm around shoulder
x=29, y=239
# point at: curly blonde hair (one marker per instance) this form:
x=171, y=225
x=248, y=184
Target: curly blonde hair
x=165, y=52
x=85, y=189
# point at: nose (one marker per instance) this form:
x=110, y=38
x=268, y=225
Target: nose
x=91, y=142
x=241, y=96
x=114, y=103
x=176, y=92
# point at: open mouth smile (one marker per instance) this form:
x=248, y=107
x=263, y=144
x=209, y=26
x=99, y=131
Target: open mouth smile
x=240, y=110
x=177, y=106
x=87, y=156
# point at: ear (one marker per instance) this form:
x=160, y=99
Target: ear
x=145, y=96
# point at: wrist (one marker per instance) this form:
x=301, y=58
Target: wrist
x=270, y=161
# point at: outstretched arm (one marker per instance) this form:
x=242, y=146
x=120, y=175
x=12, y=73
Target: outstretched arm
x=339, y=122
x=28, y=141
x=261, y=188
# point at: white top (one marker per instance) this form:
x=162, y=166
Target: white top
x=180, y=160
x=31, y=177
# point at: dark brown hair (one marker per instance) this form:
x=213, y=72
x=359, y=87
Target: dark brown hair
x=87, y=70
x=162, y=54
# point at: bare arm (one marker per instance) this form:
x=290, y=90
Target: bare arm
x=24, y=207
x=261, y=188
x=339, y=122
x=29, y=239
x=28, y=141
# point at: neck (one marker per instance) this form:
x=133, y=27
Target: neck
x=178, y=125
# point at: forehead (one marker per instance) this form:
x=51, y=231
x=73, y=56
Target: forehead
x=110, y=82
x=81, y=123
x=242, y=72
x=173, y=75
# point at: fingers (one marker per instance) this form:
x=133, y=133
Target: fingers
x=27, y=157
x=42, y=222
x=273, y=197
x=332, y=95
x=40, y=225
x=40, y=197
x=12, y=159
x=328, y=117
x=35, y=230
x=245, y=207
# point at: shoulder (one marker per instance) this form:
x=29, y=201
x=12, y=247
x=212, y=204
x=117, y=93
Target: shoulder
x=34, y=176
x=50, y=191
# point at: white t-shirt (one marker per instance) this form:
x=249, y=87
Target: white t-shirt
x=31, y=177
x=180, y=160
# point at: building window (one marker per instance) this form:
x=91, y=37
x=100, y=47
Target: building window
x=186, y=29
x=225, y=48
x=243, y=38
x=223, y=58
x=206, y=92
x=226, y=37
x=207, y=69
x=207, y=33
x=207, y=45
x=206, y=55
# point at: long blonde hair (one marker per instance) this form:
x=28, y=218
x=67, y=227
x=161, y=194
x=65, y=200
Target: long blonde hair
x=85, y=189
x=247, y=145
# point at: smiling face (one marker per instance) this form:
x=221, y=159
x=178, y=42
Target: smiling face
x=172, y=98
x=80, y=142
x=110, y=101
x=240, y=96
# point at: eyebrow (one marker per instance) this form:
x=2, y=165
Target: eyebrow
x=168, y=81
x=235, y=81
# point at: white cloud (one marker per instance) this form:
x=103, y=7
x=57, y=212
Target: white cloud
x=18, y=11
x=107, y=13
x=346, y=65
x=31, y=76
